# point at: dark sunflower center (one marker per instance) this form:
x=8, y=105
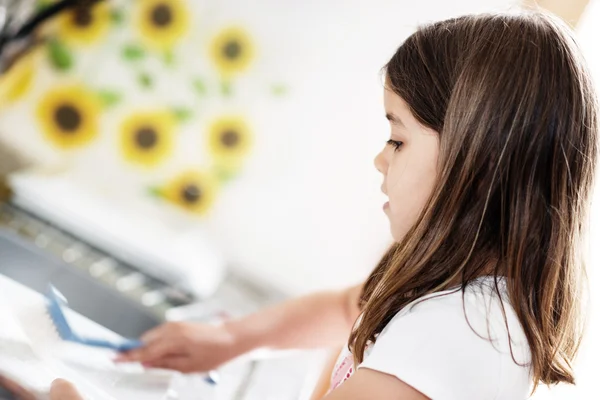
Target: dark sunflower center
x=232, y=50
x=162, y=15
x=146, y=138
x=67, y=118
x=191, y=193
x=230, y=138
x=82, y=16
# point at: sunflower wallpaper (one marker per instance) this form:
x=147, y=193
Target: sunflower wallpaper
x=255, y=121
x=141, y=96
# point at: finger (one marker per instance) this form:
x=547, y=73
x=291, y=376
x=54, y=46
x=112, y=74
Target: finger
x=153, y=352
x=17, y=390
x=147, y=338
x=155, y=334
x=177, y=363
x=63, y=390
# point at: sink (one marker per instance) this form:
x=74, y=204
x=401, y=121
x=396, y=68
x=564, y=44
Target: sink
x=31, y=266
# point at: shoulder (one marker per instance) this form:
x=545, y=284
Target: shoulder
x=455, y=342
x=481, y=311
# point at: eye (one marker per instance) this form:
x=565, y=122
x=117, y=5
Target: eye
x=395, y=143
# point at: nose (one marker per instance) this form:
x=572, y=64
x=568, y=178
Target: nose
x=380, y=162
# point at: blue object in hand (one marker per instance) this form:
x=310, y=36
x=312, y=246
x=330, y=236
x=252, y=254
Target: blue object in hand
x=55, y=303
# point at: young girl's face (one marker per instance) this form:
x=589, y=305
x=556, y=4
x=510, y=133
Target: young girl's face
x=408, y=163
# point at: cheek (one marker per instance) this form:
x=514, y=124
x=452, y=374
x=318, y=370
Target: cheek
x=410, y=184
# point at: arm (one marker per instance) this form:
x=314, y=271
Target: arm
x=368, y=384
x=318, y=320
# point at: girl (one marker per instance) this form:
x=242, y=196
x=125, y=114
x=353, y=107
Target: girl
x=489, y=170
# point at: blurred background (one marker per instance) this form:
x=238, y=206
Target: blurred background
x=193, y=159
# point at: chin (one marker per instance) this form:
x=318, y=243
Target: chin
x=396, y=236
x=398, y=233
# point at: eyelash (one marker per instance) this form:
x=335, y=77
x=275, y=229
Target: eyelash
x=395, y=143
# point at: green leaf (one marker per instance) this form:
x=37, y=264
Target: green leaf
x=199, y=86
x=145, y=80
x=223, y=174
x=43, y=4
x=133, y=52
x=279, y=89
x=60, y=56
x=182, y=114
x=226, y=89
x=169, y=57
x=117, y=17
x=109, y=98
x=155, y=191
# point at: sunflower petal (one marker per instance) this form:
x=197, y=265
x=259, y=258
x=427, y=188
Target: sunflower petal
x=69, y=116
x=193, y=191
x=162, y=24
x=85, y=24
x=232, y=51
x=147, y=138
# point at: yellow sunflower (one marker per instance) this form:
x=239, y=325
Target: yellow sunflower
x=69, y=116
x=85, y=25
x=232, y=50
x=162, y=23
x=17, y=81
x=193, y=191
x=229, y=141
x=147, y=137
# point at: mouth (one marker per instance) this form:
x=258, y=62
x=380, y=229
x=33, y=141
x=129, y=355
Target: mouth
x=387, y=203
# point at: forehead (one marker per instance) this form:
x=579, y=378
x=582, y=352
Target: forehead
x=393, y=102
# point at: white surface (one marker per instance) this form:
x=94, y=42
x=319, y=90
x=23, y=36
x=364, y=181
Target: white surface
x=17, y=359
x=20, y=358
x=93, y=374
x=282, y=375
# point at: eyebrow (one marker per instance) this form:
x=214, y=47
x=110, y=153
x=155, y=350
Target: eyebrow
x=394, y=119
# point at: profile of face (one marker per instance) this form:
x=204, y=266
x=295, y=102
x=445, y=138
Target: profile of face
x=408, y=163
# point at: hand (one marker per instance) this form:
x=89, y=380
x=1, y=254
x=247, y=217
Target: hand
x=60, y=390
x=16, y=390
x=184, y=347
x=63, y=390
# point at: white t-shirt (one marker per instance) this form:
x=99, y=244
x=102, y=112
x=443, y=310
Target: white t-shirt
x=448, y=352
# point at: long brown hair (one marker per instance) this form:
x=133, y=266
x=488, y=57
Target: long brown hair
x=516, y=112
